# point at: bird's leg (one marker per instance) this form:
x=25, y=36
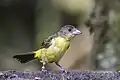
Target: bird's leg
x=61, y=68
x=43, y=66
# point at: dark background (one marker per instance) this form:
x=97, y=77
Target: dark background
x=24, y=24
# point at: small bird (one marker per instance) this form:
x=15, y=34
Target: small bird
x=52, y=48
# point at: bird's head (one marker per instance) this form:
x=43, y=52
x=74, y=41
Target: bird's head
x=69, y=31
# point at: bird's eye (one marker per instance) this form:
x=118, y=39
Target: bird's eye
x=69, y=29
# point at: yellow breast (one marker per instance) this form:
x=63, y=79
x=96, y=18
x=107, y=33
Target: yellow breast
x=57, y=49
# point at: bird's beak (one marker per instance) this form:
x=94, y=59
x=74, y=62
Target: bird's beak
x=77, y=32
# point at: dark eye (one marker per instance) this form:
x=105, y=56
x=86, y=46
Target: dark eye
x=69, y=29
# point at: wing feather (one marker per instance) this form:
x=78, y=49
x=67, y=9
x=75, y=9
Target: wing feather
x=47, y=42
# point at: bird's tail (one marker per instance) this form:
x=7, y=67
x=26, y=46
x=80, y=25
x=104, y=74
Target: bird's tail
x=23, y=58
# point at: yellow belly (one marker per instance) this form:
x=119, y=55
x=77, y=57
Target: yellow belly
x=55, y=51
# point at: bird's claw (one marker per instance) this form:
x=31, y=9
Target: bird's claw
x=63, y=70
x=43, y=69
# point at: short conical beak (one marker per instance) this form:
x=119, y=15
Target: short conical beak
x=77, y=32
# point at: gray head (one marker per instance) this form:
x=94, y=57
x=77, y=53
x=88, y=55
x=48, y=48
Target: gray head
x=68, y=31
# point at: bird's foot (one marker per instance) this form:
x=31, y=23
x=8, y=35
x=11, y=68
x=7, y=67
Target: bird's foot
x=65, y=74
x=63, y=70
x=43, y=69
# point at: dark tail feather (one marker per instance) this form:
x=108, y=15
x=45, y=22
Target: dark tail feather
x=23, y=58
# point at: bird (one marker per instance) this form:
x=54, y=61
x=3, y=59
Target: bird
x=53, y=48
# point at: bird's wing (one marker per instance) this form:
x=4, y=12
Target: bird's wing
x=47, y=42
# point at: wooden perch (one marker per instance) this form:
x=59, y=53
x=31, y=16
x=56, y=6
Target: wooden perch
x=57, y=75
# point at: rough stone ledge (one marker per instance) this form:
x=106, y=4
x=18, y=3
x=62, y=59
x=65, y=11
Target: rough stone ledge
x=57, y=75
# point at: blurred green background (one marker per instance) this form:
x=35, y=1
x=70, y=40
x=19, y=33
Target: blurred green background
x=24, y=24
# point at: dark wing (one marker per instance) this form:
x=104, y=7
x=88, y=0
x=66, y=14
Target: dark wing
x=47, y=42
